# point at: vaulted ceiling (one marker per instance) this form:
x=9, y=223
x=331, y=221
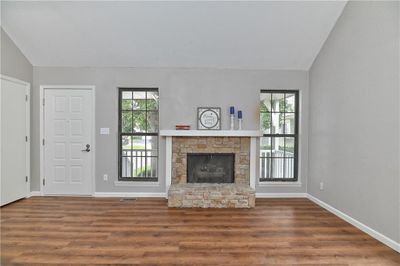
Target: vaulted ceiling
x=242, y=35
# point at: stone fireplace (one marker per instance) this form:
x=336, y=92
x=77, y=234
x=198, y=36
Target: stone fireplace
x=213, y=169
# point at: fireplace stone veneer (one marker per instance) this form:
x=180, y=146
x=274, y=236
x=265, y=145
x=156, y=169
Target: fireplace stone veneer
x=181, y=146
x=203, y=195
x=210, y=195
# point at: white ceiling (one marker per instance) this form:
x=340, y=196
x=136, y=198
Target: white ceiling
x=244, y=35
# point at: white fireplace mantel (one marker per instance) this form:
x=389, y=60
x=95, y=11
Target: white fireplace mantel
x=210, y=133
x=168, y=134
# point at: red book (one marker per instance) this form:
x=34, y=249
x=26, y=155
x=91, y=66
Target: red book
x=182, y=127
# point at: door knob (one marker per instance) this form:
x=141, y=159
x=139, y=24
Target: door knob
x=87, y=148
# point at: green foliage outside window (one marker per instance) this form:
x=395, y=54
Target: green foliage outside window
x=134, y=115
x=265, y=117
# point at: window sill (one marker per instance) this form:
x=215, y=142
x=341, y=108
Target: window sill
x=279, y=184
x=136, y=184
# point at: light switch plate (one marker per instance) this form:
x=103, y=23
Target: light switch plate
x=104, y=131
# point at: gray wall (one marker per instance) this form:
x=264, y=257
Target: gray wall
x=13, y=62
x=354, y=117
x=181, y=92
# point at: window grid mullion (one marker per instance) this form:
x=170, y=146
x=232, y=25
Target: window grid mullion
x=284, y=132
x=145, y=138
x=131, y=165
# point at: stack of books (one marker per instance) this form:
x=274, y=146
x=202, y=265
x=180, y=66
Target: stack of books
x=182, y=127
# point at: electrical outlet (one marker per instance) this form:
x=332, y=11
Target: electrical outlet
x=105, y=177
x=321, y=186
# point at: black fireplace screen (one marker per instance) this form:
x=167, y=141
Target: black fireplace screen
x=210, y=167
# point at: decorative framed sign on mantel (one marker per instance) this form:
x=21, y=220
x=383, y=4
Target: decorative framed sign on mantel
x=209, y=118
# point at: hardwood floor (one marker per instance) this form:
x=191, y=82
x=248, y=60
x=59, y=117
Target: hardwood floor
x=64, y=230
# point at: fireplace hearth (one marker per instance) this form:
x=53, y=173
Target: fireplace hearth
x=210, y=167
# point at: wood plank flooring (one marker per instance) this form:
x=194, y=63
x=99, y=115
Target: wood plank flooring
x=89, y=231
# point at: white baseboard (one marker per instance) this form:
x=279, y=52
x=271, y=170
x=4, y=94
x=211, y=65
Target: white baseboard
x=35, y=193
x=281, y=195
x=129, y=195
x=378, y=236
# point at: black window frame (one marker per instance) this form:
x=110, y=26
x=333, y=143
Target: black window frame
x=295, y=177
x=120, y=134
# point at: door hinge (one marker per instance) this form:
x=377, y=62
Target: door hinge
x=43, y=142
x=26, y=138
x=26, y=97
x=43, y=101
x=26, y=178
x=44, y=182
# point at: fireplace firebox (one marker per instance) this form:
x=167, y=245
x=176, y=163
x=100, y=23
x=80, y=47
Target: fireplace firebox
x=210, y=167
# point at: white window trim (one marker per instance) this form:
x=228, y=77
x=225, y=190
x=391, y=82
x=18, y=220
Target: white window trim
x=280, y=184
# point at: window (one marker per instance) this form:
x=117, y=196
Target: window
x=138, y=134
x=279, y=145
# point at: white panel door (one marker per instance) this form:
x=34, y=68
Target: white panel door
x=68, y=120
x=13, y=141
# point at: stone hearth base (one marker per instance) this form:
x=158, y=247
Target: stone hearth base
x=204, y=195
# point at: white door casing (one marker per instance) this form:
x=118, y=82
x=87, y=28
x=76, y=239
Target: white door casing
x=15, y=166
x=68, y=129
